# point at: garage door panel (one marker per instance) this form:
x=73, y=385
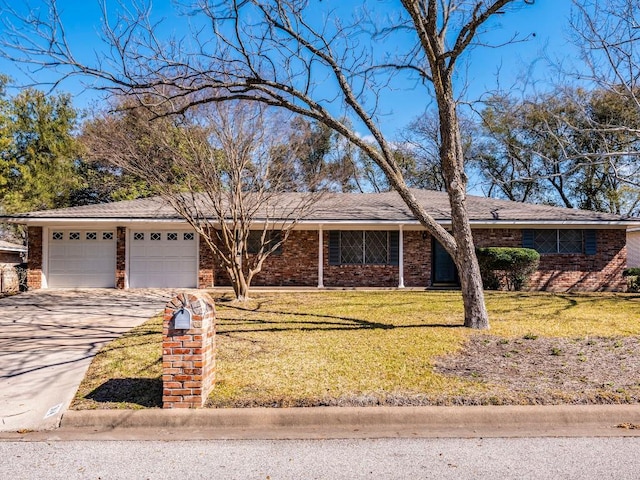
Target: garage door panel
x=163, y=259
x=78, y=258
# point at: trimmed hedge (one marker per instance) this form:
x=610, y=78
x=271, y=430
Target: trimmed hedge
x=506, y=267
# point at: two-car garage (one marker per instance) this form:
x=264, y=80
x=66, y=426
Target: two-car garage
x=83, y=258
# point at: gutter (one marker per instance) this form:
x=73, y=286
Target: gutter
x=13, y=249
x=75, y=221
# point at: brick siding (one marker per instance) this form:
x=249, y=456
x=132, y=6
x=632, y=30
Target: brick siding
x=297, y=265
x=121, y=256
x=417, y=259
x=34, y=259
x=565, y=272
x=206, y=267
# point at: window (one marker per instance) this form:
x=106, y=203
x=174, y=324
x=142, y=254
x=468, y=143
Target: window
x=372, y=247
x=254, y=240
x=570, y=241
x=74, y=236
x=107, y=235
x=155, y=236
x=560, y=241
x=138, y=236
x=91, y=235
x=57, y=236
x=351, y=247
x=188, y=236
x=172, y=236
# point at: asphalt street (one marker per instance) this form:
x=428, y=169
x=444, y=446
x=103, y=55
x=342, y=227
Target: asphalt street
x=459, y=459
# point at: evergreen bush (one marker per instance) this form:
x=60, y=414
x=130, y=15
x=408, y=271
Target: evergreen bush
x=507, y=267
x=633, y=279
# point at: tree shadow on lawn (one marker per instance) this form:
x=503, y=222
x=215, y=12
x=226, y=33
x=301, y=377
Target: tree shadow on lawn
x=533, y=302
x=146, y=392
x=330, y=322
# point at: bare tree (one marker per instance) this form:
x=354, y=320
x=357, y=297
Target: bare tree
x=600, y=138
x=213, y=166
x=421, y=141
x=326, y=66
x=577, y=144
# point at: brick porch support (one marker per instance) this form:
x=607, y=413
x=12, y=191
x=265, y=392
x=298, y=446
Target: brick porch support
x=188, y=356
x=121, y=257
x=34, y=260
x=206, y=265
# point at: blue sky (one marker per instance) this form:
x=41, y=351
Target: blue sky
x=547, y=19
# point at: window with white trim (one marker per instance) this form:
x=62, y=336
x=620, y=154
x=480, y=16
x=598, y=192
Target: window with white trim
x=365, y=247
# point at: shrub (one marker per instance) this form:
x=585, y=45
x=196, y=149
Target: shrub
x=506, y=267
x=633, y=279
x=631, y=272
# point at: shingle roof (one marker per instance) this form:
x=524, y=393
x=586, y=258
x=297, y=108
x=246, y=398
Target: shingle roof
x=354, y=207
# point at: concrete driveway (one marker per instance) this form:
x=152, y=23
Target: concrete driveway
x=47, y=341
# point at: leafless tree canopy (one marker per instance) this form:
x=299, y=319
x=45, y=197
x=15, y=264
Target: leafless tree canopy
x=331, y=64
x=213, y=165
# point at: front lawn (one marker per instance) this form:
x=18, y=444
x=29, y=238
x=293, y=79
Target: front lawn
x=393, y=348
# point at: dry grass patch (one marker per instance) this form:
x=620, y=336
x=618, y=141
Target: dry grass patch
x=355, y=348
x=532, y=370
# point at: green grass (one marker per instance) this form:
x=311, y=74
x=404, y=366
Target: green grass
x=337, y=347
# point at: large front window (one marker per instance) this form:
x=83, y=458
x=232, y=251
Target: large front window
x=561, y=240
x=369, y=247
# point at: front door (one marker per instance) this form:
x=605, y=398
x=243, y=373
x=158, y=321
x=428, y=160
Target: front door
x=444, y=270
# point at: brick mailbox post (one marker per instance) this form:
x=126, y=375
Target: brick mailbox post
x=188, y=352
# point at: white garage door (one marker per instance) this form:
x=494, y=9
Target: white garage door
x=81, y=258
x=159, y=258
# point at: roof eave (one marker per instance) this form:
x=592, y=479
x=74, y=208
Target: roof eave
x=54, y=221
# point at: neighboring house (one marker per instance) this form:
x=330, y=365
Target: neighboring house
x=633, y=248
x=349, y=240
x=11, y=255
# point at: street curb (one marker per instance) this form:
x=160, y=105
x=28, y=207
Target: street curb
x=455, y=419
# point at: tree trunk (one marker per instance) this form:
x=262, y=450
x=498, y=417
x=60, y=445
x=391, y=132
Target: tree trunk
x=475, y=311
x=239, y=283
x=464, y=254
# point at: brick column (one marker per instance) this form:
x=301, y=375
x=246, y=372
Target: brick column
x=206, y=265
x=121, y=257
x=34, y=259
x=188, y=356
